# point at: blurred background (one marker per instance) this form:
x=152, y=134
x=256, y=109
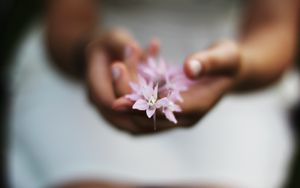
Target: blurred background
x=16, y=15
x=15, y=18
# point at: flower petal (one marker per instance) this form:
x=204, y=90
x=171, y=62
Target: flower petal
x=150, y=112
x=133, y=96
x=142, y=81
x=155, y=91
x=147, y=72
x=162, y=65
x=151, y=63
x=147, y=92
x=135, y=87
x=140, y=104
x=170, y=116
x=175, y=96
x=176, y=108
x=163, y=102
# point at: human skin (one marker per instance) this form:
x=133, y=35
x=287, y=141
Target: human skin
x=266, y=48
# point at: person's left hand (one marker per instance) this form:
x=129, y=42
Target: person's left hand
x=216, y=71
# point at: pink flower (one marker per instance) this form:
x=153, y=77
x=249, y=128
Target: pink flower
x=153, y=70
x=176, y=80
x=137, y=89
x=169, y=81
x=150, y=102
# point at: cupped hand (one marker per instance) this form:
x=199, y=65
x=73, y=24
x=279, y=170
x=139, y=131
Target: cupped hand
x=215, y=72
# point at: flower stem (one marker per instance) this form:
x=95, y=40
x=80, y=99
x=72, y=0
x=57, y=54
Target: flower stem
x=154, y=121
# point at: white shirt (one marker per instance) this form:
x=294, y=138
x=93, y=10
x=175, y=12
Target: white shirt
x=58, y=136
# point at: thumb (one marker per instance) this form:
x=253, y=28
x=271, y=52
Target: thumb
x=223, y=58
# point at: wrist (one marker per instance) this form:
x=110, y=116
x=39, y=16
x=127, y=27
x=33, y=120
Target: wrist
x=69, y=60
x=241, y=78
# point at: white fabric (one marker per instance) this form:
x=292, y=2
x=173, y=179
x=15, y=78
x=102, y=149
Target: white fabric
x=183, y=26
x=57, y=135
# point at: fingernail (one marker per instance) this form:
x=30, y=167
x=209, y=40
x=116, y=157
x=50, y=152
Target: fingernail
x=115, y=72
x=195, y=67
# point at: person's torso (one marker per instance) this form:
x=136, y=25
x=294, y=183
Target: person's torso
x=183, y=26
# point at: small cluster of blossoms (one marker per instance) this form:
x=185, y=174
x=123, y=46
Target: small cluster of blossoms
x=158, y=88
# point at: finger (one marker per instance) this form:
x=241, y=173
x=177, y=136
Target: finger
x=204, y=94
x=121, y=121
x=223, y=58
x=115, y=42
x=121, y=78
x=133, y=54
x=122, y=104
x=153, y=48
x=99, y=78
